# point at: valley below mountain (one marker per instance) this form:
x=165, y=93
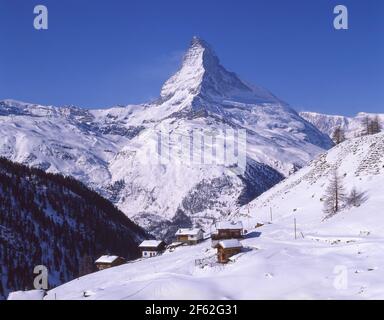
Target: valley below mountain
x=339, y=257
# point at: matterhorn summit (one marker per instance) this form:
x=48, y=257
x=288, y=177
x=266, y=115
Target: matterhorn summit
x=110, y=149
x=204, y=82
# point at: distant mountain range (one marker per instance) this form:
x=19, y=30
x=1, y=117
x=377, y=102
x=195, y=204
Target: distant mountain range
x=352, y=126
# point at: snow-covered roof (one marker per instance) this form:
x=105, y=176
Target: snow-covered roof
x=229, y=225
x=188, y=231
x=106, y=259
x=231, y=243
x=150, y=244
x=27, y=295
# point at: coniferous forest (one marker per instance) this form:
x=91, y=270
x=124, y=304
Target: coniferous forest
x=55, y=221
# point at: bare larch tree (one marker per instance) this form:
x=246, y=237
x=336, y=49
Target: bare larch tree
x=375, y=125
x=338, y=135
x=371, y=126
x=335, y=196
x=366, y=124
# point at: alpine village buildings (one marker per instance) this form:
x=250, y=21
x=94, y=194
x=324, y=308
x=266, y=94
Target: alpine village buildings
x=225, y=238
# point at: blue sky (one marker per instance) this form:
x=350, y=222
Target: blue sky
x=103, y=53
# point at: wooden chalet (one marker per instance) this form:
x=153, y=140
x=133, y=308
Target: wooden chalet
x=105, y=262
x=151, y=248
x=189, y=235
x=227, y=248
x=228, y=230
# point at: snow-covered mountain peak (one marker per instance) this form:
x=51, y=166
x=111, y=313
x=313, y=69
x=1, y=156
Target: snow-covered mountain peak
x=201, y=49
x=189, y=78
x=203, y=80
x=113, y=150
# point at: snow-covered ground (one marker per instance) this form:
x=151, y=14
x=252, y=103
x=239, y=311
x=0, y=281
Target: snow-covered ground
x=275, y=266
x=338, y=258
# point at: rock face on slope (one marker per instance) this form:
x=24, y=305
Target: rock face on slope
x=57, y=222
x=202, y=110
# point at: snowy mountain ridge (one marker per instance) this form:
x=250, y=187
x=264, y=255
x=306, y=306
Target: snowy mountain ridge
x=352, y=126
x=109, y=149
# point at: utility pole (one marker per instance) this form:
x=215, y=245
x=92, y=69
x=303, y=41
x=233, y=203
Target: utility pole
x=294, y=221
x=270, y=211
x=249, y=216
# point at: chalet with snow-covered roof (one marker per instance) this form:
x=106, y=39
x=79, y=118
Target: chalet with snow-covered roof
x=227, y=249
x=105, y=262
x=189, y=235
x=228, y=230
x=151, y=248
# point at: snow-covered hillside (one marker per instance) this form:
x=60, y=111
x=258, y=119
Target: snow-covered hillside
x=338, y=258
x=352, y=126
x=112, y=150
x=360, y=163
